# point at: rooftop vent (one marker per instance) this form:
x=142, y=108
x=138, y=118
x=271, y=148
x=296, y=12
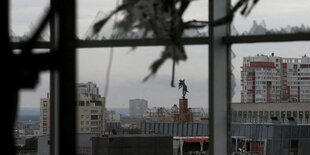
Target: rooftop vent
x=292, y=121
x=275, y=120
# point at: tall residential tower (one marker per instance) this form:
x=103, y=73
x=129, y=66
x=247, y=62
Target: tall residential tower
x=275, y=79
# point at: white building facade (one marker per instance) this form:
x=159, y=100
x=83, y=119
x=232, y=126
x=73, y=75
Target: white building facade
x=275, y=79
x=90, y=109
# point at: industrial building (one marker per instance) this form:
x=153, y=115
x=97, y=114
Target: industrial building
x=247, y=138
x=270, y=139
x=264, y=112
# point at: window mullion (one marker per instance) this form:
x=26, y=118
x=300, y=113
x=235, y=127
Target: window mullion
x=66, y=78
x=219, y=81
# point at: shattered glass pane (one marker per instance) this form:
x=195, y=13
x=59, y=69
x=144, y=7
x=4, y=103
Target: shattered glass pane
x=273, y=17
x=25, y=17
x=87, y=19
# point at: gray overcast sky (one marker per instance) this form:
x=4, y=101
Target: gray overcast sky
x=130, y=67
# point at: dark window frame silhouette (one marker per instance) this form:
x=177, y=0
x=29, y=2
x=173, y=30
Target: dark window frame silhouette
x=62, y=28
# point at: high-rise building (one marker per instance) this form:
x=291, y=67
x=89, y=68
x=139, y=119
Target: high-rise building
x=90, y=110
x=137, y=107
x=275, y=79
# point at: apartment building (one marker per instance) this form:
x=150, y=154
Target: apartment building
x=275, y=79
x=90, y=110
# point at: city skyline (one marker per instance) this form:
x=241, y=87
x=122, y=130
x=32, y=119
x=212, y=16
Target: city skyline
x=224, y=55
x=163, y=80
x=196, y=67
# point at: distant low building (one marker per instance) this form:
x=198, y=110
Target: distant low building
x=158, y=114
x=113, y=116
x=25, y=129
x=198, y=114
x=20, y=141
x=162, y=114
x=36, y=133
x=113, y=121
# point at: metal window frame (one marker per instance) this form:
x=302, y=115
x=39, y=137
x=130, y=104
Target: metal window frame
x=267, y=38
x=186, y=41
x=63, y=80
x=219, y=80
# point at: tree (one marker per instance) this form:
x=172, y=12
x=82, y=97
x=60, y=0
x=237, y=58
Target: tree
x=30, y=146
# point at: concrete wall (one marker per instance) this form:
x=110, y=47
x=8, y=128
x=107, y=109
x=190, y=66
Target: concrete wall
x=133, y=144
x=84, y=145
x=43, y=145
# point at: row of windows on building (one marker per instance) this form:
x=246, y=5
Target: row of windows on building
x=262, y=69
x=83, y=151
x=300, y=81
x=276, y=78
x=45, y=104
x=92, y=130
x=91, y=111
x=92, y=117
x=267, y=115
x=44, y=130
x=265, y=82
x=91, y=123
x=88, y=103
